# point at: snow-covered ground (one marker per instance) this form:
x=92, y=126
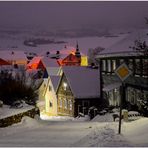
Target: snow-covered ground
x=6, y=111
x=55, y=131
x=137, y=132
x=84, y=44
x=101, y=131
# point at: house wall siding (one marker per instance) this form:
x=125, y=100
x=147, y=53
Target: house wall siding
x=63, y=97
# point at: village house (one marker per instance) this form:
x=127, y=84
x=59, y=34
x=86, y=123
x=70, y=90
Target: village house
x=73, y=59
x=78, y=90
x=52, y=67
x=136, y=85
x=47, y=102
x=3, y=62
x=14, y=57
x=47, y=65
x=36, y=63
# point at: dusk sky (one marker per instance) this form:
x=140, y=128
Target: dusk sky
x=70, y=14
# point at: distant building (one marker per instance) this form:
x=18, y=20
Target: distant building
x=46, y=65
x=14, y=57
x=3, y=62
x=73, y=59
x=36, y=63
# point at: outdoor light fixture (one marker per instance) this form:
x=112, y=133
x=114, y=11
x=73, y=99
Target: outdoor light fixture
x=65, y=85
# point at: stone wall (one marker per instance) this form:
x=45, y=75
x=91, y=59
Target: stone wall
x=17, y=118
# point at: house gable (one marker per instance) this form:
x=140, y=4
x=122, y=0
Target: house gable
x=71, y=59
x=41, y=65
x=65, y=98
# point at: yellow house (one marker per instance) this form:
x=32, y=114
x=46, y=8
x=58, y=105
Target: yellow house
x=47, y=96
x=84, y=61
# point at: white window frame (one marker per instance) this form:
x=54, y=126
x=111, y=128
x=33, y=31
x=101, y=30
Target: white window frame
x=109, y=65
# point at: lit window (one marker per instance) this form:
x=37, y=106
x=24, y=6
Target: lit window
x=104, y=65
x=114, y=64
x=70, y=104
x=109, y=65
x=65, y=103
x=65, y=85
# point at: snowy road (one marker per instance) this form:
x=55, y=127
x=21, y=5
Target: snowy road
x=54, y=134
x=62, y=133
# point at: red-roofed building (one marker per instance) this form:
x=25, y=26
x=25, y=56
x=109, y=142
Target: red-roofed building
x=70, y=60
x=3, y=62
x=36, y=63
x=73, y=59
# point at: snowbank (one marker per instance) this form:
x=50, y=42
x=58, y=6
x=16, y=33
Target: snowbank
x=103, y=118
x=55, y=118
x=63, y=118
x=85, y=118
x=137, y=132
x=6, y=111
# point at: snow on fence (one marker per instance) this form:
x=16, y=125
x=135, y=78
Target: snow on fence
x=7, y=121
x=131, y=115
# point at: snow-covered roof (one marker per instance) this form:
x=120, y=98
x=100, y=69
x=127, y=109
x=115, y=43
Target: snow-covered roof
x=35, y=60
x=12, y=55
x=55, y=81
x=122, y=47
x=111, y=86
x=48, y=62
x=84, y=81
x=53, y=71
x=3, y=62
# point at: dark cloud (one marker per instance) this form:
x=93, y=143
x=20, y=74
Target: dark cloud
x=73, y=14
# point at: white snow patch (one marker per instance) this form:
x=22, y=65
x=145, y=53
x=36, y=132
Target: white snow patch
x=6, y=111
x=55, y=118
x=137, y=132
x=103, y=118
x=33, y=132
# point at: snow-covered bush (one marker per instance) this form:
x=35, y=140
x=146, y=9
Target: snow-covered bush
x=143, y=105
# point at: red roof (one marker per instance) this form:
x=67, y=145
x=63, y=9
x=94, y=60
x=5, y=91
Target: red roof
x=3, y=62
x=71, y=59
x=36, y=63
